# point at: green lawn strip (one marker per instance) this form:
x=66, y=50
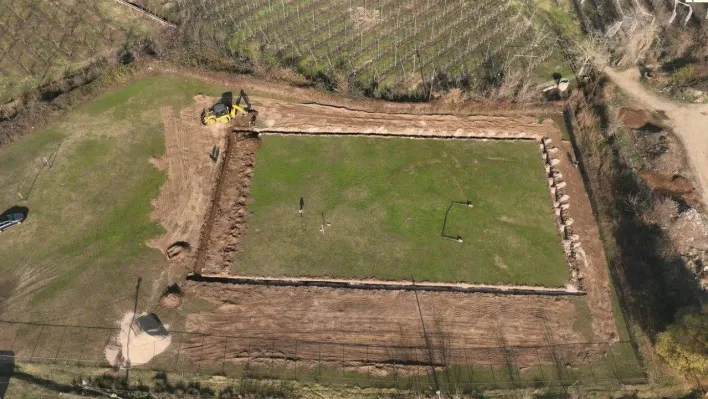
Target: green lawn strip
x=89, y=215
x=386, y=200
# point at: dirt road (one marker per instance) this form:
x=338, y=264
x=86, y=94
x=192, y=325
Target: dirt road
x=689, y=121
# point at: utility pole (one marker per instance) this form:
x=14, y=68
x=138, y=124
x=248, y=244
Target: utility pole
x=130, y=327
x=428, y=344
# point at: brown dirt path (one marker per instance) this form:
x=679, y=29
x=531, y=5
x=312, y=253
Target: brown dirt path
x=592, y=261
x=185, y=196
x=288, y=116
x=688, y=121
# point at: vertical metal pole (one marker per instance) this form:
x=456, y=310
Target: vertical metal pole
x=296, y=356
x=614, y=365
x=81, y=355
x=491, y=368
x=319, y=363
x=179, y=349
x=39, y=336
x=61, y=341
x=201, y=351
x=223, y=362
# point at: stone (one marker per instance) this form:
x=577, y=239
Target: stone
x=554, y=162
x=568, y=222
x=565, y=207
x=553, y=150
x=564, y=198
x=561, y=184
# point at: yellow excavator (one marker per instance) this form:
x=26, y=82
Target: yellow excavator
x=225, y=110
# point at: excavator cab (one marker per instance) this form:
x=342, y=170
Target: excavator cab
x=224, y=111
x=220, y=109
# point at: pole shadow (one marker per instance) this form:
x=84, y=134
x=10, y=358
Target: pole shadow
x=456, y=237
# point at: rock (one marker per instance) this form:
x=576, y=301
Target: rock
x=565, y=207
x=564, y=199
x=554, y=162
x=553, y=150
x=561, y=184
x=568, y=222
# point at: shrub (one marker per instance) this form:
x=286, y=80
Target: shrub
x=684, y=344
x=683, y=76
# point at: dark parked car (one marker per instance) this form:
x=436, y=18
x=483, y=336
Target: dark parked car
x=10, y=220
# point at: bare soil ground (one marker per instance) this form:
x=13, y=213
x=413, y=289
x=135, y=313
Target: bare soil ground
x=385, y=318
x=288, y=116
x=227, y=221
x=184, y=199
x=687, y=121
x=383, y=321
x=592, y=261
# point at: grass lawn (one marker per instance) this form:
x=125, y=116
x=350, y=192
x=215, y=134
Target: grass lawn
x=77, y=257
x=384, y=203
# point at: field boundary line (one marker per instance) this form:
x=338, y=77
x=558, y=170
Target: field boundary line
x=385, y=285
x=420, y=136
x=146, y=12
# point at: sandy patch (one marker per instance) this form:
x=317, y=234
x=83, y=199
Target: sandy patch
x=134, y=346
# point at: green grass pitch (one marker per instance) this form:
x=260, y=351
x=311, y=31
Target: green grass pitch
x=384, y=202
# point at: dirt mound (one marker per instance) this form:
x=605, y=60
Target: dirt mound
x=172, y=298
x=170, y=301
x=178, y=250
x=671, y=185
x=636, y=118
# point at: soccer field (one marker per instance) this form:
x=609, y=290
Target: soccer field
x=392, y=209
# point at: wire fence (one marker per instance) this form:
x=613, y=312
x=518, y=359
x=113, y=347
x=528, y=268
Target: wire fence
x=430, y=366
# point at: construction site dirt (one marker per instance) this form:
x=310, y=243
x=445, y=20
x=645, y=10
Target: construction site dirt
x=379, y=317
